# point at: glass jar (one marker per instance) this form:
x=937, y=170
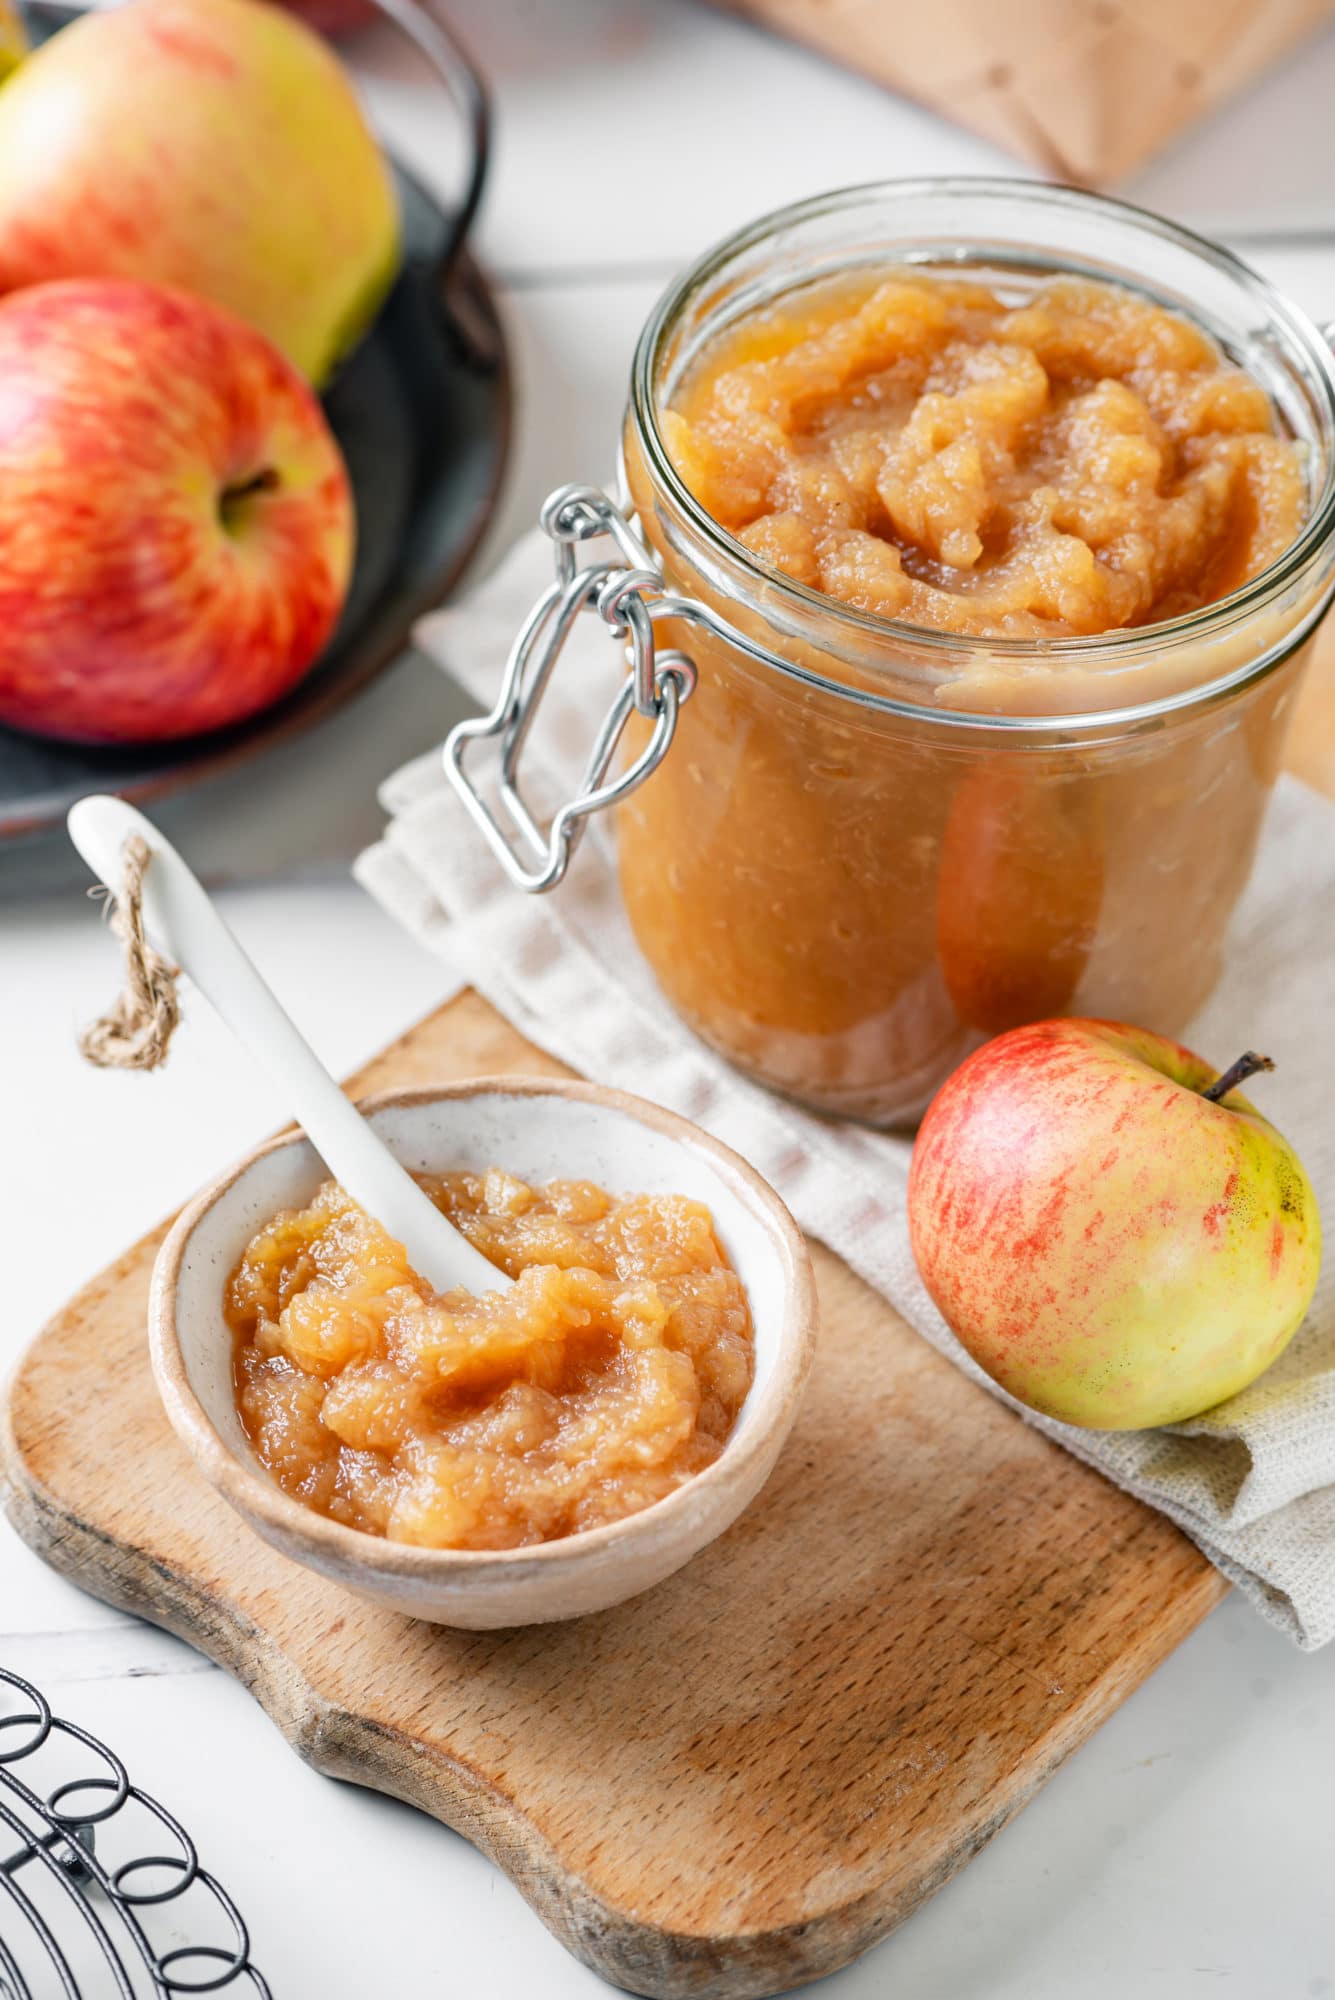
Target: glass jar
x=871, y=845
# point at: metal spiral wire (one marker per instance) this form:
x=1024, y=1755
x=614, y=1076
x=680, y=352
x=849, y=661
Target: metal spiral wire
x=89, y=1890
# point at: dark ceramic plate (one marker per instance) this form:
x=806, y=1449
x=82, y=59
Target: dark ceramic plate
x=422, y=412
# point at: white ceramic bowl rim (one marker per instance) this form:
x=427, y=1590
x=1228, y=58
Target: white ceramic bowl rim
x=248, y=1486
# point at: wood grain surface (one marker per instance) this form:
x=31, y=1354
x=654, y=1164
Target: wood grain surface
x=739, y=1781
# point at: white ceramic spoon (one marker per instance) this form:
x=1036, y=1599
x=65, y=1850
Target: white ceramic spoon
x=185, y=926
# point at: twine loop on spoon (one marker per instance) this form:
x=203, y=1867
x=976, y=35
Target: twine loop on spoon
x=136, y=1031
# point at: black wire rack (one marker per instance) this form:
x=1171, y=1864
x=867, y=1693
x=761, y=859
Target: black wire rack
x=101, y=1889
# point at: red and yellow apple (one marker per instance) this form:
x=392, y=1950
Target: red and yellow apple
x=176, y=523
x=1112, y=1243
x=214, y=145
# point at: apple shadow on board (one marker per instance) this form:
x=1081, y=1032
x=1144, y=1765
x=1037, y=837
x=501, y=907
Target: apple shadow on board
x=421, y=411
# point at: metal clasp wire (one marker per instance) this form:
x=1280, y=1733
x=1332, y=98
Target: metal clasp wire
x=627, y=596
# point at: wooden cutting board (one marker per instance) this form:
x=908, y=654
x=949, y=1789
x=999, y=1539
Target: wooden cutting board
x=741, y=1780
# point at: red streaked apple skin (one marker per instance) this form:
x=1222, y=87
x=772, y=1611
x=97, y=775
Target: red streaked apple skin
x=136, y=605
x=1111, y=1247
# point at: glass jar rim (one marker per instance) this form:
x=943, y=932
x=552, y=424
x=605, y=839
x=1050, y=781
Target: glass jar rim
x=1090, y=650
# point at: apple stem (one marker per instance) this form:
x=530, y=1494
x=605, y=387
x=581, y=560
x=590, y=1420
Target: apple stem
x=264, y=481
x=1246, y=1065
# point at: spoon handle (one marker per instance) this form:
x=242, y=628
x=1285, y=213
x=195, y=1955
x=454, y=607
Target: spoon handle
x=183, y=922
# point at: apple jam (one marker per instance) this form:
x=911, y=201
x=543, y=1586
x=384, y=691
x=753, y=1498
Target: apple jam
x=1012, y=578
x=607, y=1375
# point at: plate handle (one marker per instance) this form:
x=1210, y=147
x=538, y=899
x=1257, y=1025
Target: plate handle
x=444, y=53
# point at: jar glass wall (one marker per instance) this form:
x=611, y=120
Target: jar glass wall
x=872, y=845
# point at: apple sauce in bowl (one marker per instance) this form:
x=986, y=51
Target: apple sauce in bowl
x=607, y=1375
x=536, y=1453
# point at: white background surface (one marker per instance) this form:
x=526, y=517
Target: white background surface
x=1189, y=1847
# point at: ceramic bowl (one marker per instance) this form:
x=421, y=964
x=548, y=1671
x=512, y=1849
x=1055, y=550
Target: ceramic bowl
x=541, y=1130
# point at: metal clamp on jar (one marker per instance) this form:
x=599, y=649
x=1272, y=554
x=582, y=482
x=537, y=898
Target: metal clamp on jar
x=628, y=597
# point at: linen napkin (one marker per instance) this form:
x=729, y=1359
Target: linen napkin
x=1253, y=1483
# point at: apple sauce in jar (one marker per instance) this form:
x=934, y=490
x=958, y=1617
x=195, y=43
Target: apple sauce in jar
x=609, y=1373
x=916, y=447
x=1010, y=570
